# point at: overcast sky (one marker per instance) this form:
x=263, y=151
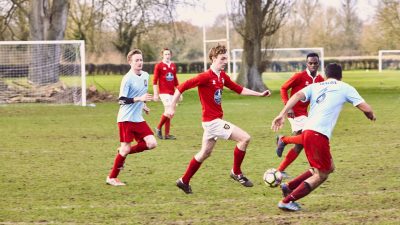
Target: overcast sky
x=213, y=8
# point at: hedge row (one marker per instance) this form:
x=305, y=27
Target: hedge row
x=197, y=67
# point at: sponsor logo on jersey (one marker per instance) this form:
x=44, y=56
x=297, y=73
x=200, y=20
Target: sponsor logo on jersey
x=218, y=96
x=307, y=83
x=145, y=83
x=227, y=127
x=169, y=77
x=164, y=68
x=214, y=82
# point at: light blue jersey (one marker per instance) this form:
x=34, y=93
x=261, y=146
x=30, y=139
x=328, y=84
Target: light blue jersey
x=132, y=86
x=326, y=102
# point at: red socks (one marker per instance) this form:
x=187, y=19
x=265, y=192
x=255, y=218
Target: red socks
x=162, y=121
x=139, y=147
x=302, y=190
x=289, y=158
x=118, y=165
x=298, y=139
x=194, y=165
x=299, y=179
x=167, y=126
x=238, y=156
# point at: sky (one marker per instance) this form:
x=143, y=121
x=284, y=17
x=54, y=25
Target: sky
x=212, y=8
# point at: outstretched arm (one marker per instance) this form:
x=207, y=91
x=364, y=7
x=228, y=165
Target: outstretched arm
x=249, y=92
x=278, y=122
x=367, y=110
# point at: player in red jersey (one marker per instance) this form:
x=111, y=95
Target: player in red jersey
x=210, y=88
x=164, y=83
x=297, y=116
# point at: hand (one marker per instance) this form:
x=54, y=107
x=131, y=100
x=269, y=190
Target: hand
x=290, y=113
x=266, y=93
x=156, y=97
x=146, y=97
x=277, y=123
x=170, y=112
x=146, y=109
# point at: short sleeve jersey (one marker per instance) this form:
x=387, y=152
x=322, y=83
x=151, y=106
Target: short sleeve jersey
x=295, y=83
x=210, y=88
x=165, y=77
x=327, y=99
x=133, y=85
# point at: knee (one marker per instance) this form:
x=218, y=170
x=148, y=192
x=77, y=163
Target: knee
x=151, y=144
x=245, y=140
x=124, y=150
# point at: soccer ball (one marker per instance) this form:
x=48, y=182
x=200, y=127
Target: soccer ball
x=272, y=177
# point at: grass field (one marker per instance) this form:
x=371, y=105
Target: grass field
x=54, y=161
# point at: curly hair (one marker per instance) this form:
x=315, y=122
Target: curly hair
x=217, y=50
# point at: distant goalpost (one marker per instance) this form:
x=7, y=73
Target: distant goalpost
x=389, y=59
x=43, y=72
x=287, y=55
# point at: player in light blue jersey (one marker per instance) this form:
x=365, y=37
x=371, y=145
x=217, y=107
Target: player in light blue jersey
x=132, y=99
x=326, y=102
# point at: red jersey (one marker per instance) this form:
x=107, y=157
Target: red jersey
x=297, y=82
x=210, y=88
x=165, y=77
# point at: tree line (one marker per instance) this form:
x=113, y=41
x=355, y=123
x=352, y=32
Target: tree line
x=111, y=28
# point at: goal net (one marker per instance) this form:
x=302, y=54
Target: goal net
x=42, y=71
x=280, y=59
x=389, y=60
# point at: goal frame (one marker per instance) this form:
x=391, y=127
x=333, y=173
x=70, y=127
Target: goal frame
x=380, y=53
x=321, y=57
x=81, y=52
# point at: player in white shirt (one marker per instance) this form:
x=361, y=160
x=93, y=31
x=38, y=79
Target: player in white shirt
x=326, y=101
x=132, y=126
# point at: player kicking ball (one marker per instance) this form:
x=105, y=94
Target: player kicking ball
x=326, y=99
x=210, y=86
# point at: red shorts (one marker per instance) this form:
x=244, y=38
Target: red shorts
x=316, y=146
x=131, y=130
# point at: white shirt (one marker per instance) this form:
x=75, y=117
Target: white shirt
x=326, y=102
x=132, y=86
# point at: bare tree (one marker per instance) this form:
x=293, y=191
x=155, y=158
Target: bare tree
x=85, y=21
x=13, y=20
x=47, y=22
x=132, y=18
x=256, y=21
x=388, y=19
x=351, y=25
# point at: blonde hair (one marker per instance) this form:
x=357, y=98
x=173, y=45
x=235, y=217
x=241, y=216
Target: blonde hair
x=131, y=53
x=217, y=50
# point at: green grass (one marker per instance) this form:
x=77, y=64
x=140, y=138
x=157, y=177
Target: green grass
x=54, y=160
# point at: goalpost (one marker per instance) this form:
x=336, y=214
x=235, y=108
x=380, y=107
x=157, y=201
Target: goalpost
x=283, y=59
x=389, y=61
x=43, y=71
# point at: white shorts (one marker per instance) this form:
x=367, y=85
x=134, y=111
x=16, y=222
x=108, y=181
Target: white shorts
x=297, y=123
x=166, y=99
x=217, y=129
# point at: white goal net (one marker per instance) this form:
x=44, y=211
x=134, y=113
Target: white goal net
x=389, y=60
x=42, y=71
x=281, y=59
